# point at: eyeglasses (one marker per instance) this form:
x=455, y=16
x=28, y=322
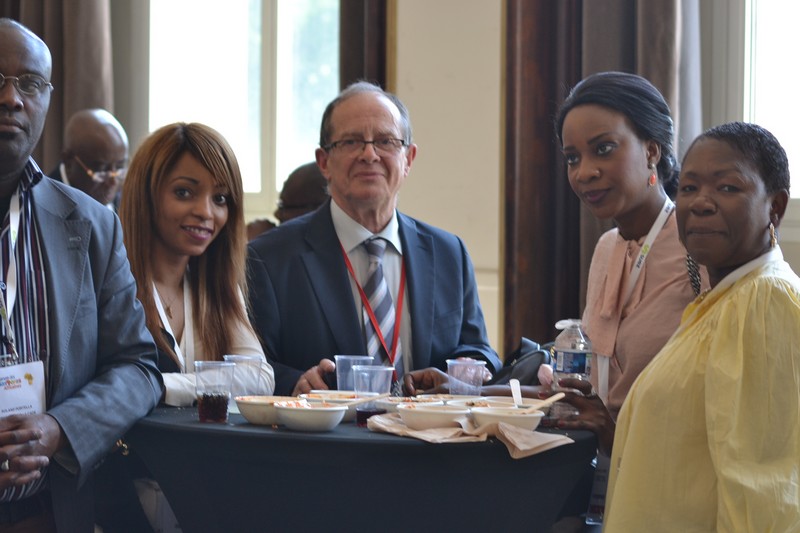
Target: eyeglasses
x=381, y=146
x=100, y=176
x=27, y=84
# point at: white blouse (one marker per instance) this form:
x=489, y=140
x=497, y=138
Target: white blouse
x=180, y=386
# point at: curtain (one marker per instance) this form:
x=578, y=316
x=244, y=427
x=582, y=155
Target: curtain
x=78, y=33
x=659, y=40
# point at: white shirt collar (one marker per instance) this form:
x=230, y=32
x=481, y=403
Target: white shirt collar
x=351, y=234
x=774, y=254
x=63, y=170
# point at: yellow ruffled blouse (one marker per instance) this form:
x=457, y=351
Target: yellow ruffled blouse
x=709, y=436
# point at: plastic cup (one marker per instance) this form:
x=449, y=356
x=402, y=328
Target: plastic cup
x=247, y=378
x=213, y=388
x=344, y=369
x=370, y=380
x=466, y=376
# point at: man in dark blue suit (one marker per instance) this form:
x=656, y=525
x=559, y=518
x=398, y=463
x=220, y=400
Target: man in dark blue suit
x=307, y=276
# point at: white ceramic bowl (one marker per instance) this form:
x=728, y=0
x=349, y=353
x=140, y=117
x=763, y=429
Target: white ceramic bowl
x=334, y=397
x=260, y=409
x=300, y=415
x=509, y=415
x=417, y=416
x=391, y=403
x=471, y=402
x=504, y=401
x=447, y=398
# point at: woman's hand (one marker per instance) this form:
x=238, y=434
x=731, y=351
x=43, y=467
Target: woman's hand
x=592, y=413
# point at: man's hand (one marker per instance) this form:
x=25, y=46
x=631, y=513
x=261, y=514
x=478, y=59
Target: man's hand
x=425, y=381
x=27, y=442
x=314, y=378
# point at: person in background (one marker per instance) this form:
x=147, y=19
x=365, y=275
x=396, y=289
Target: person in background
x=303, y=191
x=709, y=436
x=72, y=325
x=311, y=279
x=182, y=215
x=95, y=155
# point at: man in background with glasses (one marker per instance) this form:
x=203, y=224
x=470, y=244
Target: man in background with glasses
x=95, y=155
x=319, y=283
x=77, y=362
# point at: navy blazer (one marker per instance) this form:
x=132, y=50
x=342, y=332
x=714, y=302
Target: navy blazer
x=102, y=374
x=303, y=308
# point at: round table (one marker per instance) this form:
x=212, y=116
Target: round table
x=238, y=477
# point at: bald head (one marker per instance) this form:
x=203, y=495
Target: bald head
x=91, y=129
x=22, y=116
x=94, y=139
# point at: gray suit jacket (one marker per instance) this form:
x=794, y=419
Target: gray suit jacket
x=303, y=309
x=102, y=374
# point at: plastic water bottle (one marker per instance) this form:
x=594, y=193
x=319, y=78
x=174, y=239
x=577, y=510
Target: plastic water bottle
x=573, y=351
x=572, y=359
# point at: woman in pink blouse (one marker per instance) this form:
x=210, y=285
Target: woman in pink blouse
x=616, y=134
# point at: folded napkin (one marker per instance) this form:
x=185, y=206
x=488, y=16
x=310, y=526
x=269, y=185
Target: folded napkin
x=520, y=442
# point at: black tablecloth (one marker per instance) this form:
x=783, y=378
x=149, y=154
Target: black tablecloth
x=238, y=477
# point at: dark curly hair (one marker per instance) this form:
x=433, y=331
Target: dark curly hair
x=758, y=146
x=641, y=103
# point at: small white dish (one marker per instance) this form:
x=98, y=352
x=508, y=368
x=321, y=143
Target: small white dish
x=447, y=398
x=430, y=416
x=508, y=415
x=334, y=397
x=304, y=416
x=260, y=409
x=391, y=403
x=504, y=401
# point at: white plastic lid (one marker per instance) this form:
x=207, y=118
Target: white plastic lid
x=568, y=323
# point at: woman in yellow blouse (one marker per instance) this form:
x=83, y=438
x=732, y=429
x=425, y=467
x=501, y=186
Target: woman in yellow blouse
x=708, y=438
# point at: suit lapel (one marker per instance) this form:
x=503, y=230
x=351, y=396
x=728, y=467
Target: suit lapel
x=420, y=264
x=330, y=281
x=64, y=253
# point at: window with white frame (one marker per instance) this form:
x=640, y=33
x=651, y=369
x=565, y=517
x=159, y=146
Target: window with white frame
x=771, y=79
x=748, y=75
x=258, y=71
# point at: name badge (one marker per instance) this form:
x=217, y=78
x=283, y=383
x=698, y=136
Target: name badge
x=22, y=389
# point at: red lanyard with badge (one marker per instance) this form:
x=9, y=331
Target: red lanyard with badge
x=23, y=391
x=374, y=321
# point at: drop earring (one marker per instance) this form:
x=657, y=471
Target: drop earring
x=651, y=182
x=773, y=237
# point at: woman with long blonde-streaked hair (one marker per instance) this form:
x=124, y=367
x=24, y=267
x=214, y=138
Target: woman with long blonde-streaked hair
x=182, y=216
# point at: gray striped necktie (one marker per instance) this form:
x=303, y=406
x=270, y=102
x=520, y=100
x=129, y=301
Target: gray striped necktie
x=380, y=299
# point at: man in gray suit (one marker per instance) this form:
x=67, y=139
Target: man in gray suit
x=71, y=329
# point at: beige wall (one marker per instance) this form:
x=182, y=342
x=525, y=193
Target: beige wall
x=446, y=65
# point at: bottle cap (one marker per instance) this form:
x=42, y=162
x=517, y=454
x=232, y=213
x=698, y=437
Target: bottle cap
x=568, y=323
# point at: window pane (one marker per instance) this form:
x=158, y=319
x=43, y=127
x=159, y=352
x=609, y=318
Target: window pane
x=774, y=78
x=205, y=67
x=307, y=78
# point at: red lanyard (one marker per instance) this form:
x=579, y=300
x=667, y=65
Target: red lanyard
x=398, y=315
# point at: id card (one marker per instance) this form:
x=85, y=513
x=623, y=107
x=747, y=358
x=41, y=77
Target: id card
x=22, y=389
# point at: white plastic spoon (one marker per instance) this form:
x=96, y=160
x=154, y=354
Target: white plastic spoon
x=516, y=393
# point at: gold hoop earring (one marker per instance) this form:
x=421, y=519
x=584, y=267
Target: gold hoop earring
x=773, y=236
